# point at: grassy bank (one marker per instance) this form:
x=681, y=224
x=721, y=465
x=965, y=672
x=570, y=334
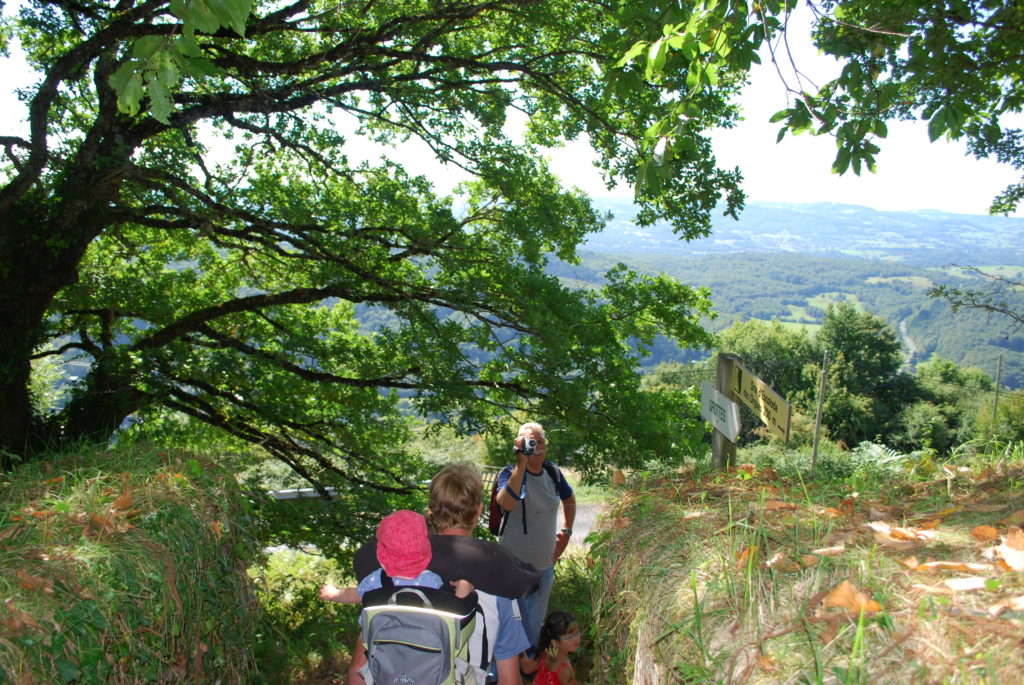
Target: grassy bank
x=126, y=566
x=874, y=568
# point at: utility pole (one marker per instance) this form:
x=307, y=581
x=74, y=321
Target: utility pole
x=817, y=416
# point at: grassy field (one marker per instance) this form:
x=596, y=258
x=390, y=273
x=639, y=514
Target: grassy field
x=873, y=568
x=823, y=300
x=916, y=281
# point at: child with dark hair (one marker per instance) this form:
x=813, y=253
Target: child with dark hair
x=559, y=637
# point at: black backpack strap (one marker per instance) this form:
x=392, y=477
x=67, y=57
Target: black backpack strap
x=385, y=580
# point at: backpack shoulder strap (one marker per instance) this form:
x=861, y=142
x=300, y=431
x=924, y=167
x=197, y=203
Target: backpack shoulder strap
x=552, y=470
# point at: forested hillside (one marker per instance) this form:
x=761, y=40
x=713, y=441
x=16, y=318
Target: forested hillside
x=794, y=280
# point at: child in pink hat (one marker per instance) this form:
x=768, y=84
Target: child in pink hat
x=403, y=550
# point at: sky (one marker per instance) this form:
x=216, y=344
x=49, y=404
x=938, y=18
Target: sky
x=912, y=173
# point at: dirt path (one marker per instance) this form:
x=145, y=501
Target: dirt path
x=586, y=517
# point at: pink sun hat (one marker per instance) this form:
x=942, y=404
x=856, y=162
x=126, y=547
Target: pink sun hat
x=403, y=545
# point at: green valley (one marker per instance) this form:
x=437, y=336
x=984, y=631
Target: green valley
x=790, y=262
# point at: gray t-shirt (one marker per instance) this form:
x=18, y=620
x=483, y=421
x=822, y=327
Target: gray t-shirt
x=541, y=498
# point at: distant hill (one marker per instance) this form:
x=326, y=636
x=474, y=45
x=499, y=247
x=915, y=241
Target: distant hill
x=791, y=261
x=924, y=238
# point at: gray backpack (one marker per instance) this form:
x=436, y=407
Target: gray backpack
x=417, y=636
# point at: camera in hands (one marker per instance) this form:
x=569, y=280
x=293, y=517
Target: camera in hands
x=528, y=447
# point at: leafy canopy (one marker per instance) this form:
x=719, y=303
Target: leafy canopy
x=186, y=220
x=956, y=64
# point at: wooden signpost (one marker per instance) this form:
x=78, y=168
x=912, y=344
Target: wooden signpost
x=769, y=405
x=734, y=381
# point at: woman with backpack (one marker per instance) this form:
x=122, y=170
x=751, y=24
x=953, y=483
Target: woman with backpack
x=454, y=509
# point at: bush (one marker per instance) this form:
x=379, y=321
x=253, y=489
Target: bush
x=305, y=632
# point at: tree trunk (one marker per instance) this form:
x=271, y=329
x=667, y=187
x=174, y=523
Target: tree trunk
x=42, y=243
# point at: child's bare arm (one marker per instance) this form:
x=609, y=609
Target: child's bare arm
x=567, y=676
x=463, y=588
x=347, y=595
x=526, y=664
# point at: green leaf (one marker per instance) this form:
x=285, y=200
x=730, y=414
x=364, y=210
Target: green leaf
x=145, y=47
x=632, y=53
x=937, y=125
x=200, y=66
x=67, y=670
x=656, y=57
x=127, y=83
x=842, y=162
x=188, y=46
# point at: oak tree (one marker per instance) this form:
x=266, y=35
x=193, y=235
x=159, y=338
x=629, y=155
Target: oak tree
x=188, y=218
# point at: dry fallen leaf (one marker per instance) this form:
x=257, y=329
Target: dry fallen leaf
x=31, y=582
x=1011, y=552
x=933, y=590
x=810, y=560
x=741, y=557
x=1013, y=604
x=909, y=562
x=831, y=512
x=123, y=502
x=899, y=538
x=965, y=584
x=1015, y=538
x=880, y=512
x=769, y=473
x=930, y=524
x=18, y=616
x=747, y=468
x=960, y=566
x=829, y=551
x=848, y=506
x=985, y=533
x=774, y=504
x=618, y=477
x=846, y=596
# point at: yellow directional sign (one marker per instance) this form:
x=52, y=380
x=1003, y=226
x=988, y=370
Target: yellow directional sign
x=766, y=403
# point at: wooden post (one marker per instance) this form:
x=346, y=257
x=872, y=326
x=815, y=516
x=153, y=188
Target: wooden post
x=724, y=451
x=817, y=416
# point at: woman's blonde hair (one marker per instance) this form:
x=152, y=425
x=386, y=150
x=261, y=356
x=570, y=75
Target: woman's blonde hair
x=456, y=492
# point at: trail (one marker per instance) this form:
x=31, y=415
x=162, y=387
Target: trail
x=912, y=348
